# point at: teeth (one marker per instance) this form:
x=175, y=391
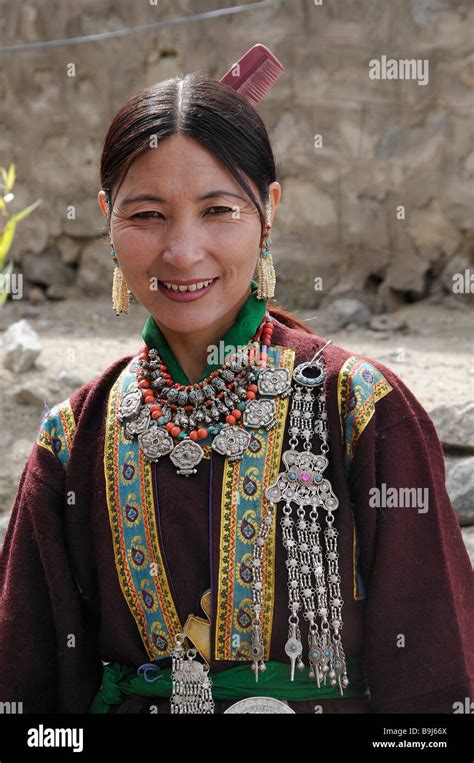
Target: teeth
x=191, y=287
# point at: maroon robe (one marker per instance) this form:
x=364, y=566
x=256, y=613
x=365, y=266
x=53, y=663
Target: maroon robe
x=62, y=610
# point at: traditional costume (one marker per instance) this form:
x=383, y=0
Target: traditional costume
x=110, y=554
x=215, y=547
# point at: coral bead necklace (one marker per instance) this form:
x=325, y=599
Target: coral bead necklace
x=170, y=418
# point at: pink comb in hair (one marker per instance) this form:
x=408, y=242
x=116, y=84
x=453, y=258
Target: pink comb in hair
x=254, y=74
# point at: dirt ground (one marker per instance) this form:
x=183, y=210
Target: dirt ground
x=82, y=337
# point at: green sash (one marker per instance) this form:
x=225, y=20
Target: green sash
x=234, y=683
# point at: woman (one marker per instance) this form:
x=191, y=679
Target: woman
x=143, y=511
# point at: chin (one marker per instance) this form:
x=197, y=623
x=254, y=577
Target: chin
x=186, y=322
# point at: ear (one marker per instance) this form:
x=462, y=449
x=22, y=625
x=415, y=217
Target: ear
x=102, y=199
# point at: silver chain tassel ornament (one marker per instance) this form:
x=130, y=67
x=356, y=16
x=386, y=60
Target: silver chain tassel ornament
x=191, y=684
x=310, y=591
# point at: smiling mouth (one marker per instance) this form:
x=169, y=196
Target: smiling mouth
x=189, y=287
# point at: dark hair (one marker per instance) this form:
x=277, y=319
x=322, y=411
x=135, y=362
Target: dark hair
x=201, y=108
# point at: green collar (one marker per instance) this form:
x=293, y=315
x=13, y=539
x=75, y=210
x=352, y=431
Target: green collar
x=247, y=322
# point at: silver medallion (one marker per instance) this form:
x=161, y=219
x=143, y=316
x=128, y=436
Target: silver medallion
x=274, y=381
x=155, y=442
x=260, y=413
x=138, y=424
x=130, y=404
x=186, y=455
x=260, y=705
x=232, y=442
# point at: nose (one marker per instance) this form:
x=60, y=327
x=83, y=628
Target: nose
x=183, y=247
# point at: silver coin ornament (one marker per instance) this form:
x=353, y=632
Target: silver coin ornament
x=261, y=705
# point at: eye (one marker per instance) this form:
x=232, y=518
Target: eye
x=221, y=210
x=147, y=214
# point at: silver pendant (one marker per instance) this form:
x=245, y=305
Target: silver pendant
x=155, y=442
x=232, y=442
x=260, y=413
x=191, y=690
x=130, y=405
x=138, y=424
x=274, y=381
x=259, y=705
x=303, y=482
x=294, y=649
x=186, y=455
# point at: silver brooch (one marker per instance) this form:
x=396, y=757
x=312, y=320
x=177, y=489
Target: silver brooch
x=260, y=413
x=274, y=381
x=231, y=442
x=155, y=442
x=186, y=455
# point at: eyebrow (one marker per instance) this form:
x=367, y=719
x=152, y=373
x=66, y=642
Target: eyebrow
x=153, y=197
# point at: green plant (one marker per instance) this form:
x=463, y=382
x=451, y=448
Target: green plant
x=7, y=232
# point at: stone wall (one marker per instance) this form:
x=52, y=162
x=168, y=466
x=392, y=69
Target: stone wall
x=382, y=210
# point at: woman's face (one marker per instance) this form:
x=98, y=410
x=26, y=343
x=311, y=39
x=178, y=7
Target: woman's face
x=164, y=230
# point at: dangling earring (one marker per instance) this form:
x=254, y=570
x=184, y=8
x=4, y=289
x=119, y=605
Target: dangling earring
x=266, y=271
x=120, y=292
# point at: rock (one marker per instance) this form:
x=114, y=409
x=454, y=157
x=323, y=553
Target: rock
x=57, y=291
x=96, y=270
x=460, y=487
x=31, y=395
x=407, y=273
x=468, y=538
x=35, y=230
x=305, y=204
x=399, y=355
x=22, y=346
x=456, y=302
x=70, y=379
x=432, y=232
x=36, y=295
x=419, y=146
x=455, y=425
x=456, y=199
x=4, y=520
x=82, y=218
x=387, y=323
x=454, y=270
x=379, y=336
x=469, y=163
x=387, y=299
x=30, y=312
x=46, y=268
x=69, y=249
x=44, y=324
x=343, y=312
